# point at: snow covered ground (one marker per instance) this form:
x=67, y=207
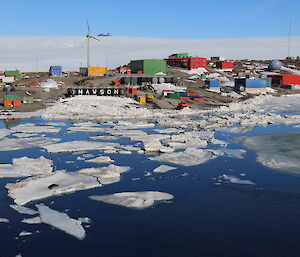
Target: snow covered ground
x=70, y=52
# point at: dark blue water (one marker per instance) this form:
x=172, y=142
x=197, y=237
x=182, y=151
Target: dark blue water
x=204, y=219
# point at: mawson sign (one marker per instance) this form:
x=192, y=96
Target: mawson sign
x=96, y=91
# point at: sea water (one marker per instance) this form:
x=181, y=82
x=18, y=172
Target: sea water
x=207, y=217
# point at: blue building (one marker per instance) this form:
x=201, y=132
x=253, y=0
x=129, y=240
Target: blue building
x=55, y=71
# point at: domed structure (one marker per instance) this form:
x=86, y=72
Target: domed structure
x=275, y=65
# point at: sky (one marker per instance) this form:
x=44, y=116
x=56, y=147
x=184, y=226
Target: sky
x=187, y=19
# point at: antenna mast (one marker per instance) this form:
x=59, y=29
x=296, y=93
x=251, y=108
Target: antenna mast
x=289, y=46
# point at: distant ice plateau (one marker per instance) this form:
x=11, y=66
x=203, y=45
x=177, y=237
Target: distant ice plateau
x=25, y=53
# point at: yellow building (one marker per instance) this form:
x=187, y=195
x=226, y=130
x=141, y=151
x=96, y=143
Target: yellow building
x=92, y=71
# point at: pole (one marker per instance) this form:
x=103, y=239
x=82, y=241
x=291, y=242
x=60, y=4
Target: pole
x=289, y=46
x=88, y=51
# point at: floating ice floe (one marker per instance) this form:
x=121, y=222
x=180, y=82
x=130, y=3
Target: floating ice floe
x=232, y=153
x=24, y=135
x=86, y=129
x=10, y=144
x=169, y=131
x=163, y=169
x=104, y=138
x=4, y=132
x=32, y=128
x=235, y=180
x=101, y=159
x=55, y=124
x=279, y=151
x=237, y=130
x=34, y=220
x=25, y=233
x=215, y=141
x=61, y=221
x=190, y=157
x=138, y=200
x=4, y=220
x=24, y=166
x=23, y=210
x=75, y=146
x=85, y=220
x=106, y=175
x=56, y=183
x=186, y=140
x=156, y=146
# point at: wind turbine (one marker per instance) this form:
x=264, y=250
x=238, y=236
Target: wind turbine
x=89, y=36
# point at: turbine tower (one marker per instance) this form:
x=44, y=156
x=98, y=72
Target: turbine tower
x=89, y=36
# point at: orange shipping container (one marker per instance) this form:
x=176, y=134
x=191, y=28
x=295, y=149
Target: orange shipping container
x=17, y=103
x=7, y=103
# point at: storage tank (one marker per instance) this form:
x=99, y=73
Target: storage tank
x=275, y=65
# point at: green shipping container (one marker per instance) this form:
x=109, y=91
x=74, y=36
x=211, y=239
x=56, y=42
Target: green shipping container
x=173, y=96
x=11, y=97
x=13, y=73
x=182, y=55
x=150, y=66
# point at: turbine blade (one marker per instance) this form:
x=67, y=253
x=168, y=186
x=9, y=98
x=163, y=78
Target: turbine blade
x=88, y=25
x=95, y=38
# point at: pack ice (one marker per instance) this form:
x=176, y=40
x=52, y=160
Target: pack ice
x=138, y=200
x=279, y=151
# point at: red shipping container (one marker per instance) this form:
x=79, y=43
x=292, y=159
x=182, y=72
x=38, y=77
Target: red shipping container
x=17, y=103
x=225, y=65
x=191, y=94
x=185, y=98
x=7, y=103
x=198, y=99
x=134, y=91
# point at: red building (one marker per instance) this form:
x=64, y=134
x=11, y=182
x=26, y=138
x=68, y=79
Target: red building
x=224, y=65
x=187, y=62
x=284, y=79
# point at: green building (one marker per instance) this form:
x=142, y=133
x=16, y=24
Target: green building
x=150, y=66
x=13, y=73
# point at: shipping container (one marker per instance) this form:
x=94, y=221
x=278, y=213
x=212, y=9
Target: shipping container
x=212, y=83
x=11, y=97
x=55, y=71
x=173, y=96
x=13, y=73
x=92, y=71
x=224, y=65
x=142, y=99
x=8, y=79
x=180, y=55
x=7, y=103
x=284, y=79
x=150, y=66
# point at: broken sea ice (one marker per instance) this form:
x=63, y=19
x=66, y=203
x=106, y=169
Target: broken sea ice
x=137, y=200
